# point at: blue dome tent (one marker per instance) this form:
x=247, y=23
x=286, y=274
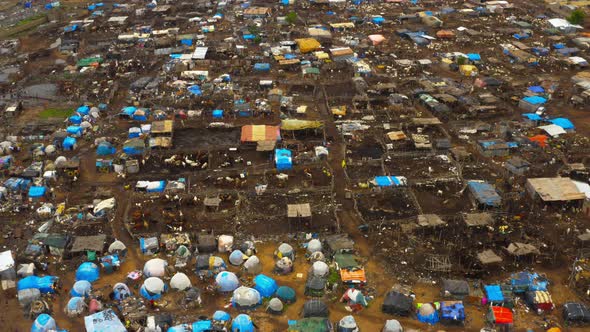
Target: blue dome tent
x=69, y=143
x=121, y=291
x=44, y=323
x=84, y=110
x=75, y=306
x=202, y=326
x=227, y=281
x=242, y=323
x=105, y=149
x=245, y=298
x=75, y=119
x=81, y=288
x=152, y=288
x=265, y=285
x=87, y=271
x=221, y=316
x=283, y=159
x=286, y=294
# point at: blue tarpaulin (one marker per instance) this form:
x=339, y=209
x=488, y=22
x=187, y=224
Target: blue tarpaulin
x=75, y=119
x=265, y=285
x=494, y=293
x=104, y=321
x=283, y=159
x=426, y=316
x=262, y=66
x=71, y=28
x=242, y=323
x=485, y=193
x=473, y=57
x=535, y=100
x=221, y=316
x=75, y=130
x=286, y=294
x=87, y=271
x=452, y=311
x=520, y=36
x=129, y=110
x=84, y=110
x=389, y=181
x=558, y=46
x=532, y=116
x=378, y=20
x=218, y=114
x=187, y=42
x=563, y=123
x=195, y=90
x=526, y=281
x=16, y=184
x=536, y=89
x=81, y=288
x=44, y=323
x=248, y=36
x=69, y=143
x=37, y=191
x=43, y=284
x=201, y=326
x=105, y=149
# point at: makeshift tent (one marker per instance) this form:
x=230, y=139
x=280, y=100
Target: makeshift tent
x=44, y=323
x=237, y=257
x=286, y=294
x=225, y=243
x=121, y=291
x=427, y=314
x=390, y=181
x=253, y=265
x=105, y=149
x=28, y=296
x=525, y=281
x=284, y=266
x=317, y=256
x=260, y=133
x=307, y=45
x=347, y=324
x=314, y=245
x=500, y=315
x=539, y=300
x=315, y=308
x=134, y=146
x=104, y=321
x=285, y=250
x=354, y=297
x=283, y=159
x=81, y=288
x=246, y=298
x=75, y=306
x=376, y=39
x=452, y=312
x=494, y=294
x=265, y=285
x=87, y=271
x=75, y=119
x=275, y=306
x=155, y=267
x=315, y=285
x=227, y=281
x=43, y=284
x=201, y=326
x=152, y=288
x=455, y=288
x=576, y=313
x=242, y=323
x=312, y=324
x=117, y=247
x=180, y=281
x=297, y=124
x=221, y=316
x=37, y=191
x=206, y=243
x=320, y=269
x=392, y=325
x=75, y=130
x=564, y=123
x=396, y=303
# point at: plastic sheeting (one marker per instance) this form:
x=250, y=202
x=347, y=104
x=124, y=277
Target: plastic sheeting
x=44, y=323
x=180, y=281
x=285, y=250
x=221, y=316
x=225, y=243
x=315, y=308
x=348, y=324
x=427, y=314
x=284, y=266
x=242, y=323
x=121, y=291
x=314, y=246
x=275, y=305
x=392, y=325
x=43, y=284
x=227, y=281
x=152, y=288
x=104, y=321
x=87, y=271
x=237, y=257
x=28, y=296
x=246, y=298
x=117, y=246
x=265, y=285
x=286, y=294
x=75, y=306
x=81, y=288
x=253, y=265
x=320, y=269
x=155, y=267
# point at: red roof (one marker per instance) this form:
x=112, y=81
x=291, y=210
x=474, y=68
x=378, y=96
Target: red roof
x=502, y=315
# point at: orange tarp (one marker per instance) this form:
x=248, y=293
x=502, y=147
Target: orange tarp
x=259, y=133
x=502, y=315
x=540, y=139
x=356, y=276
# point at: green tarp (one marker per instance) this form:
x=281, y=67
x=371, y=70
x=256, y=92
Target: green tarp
x=346, y=261
x=314, y=324
x=88, y=61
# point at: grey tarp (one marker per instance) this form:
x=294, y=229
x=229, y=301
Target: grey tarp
x=455, y=288
x=396, y=303
x=315, y=308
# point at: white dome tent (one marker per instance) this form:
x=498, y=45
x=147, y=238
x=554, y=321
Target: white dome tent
x=180, y=281
x=155, y=268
